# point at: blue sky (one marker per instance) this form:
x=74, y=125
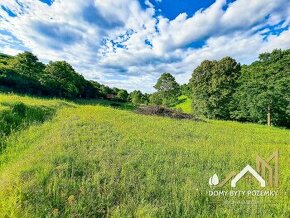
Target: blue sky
x=172, y=8
x=129, y=43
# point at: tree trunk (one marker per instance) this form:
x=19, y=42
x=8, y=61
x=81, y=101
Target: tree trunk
x=269, y=117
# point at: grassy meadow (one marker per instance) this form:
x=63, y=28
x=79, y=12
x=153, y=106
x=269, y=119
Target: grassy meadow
x=184, y=104
x=88, y=159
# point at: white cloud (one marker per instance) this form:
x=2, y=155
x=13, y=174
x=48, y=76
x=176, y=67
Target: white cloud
x=273, y=42
x=120, y=44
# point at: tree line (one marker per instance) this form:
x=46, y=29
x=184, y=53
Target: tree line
x=25, y=74
x=259, y=92
x=221, y=89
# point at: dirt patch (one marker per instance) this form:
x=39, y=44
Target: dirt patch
x=166, y=112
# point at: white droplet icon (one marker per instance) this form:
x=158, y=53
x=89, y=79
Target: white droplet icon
x=214, y=180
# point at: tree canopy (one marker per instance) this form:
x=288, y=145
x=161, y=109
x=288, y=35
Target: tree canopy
x=122, y=95
x=63, y=81
x=24, y=73
x=213, y=84
x=265, y=88
x=168, y=90
x=223, y=89
x=136, y=97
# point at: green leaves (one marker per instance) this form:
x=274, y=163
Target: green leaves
x=122, y=95
x=63, y=81
x=167, y=90
x=265, y=84
x=136, y=97
x=224, y=90
x=24, y=73
x=213, y=84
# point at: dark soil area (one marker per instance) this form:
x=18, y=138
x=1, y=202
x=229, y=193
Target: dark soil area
x=165, y=112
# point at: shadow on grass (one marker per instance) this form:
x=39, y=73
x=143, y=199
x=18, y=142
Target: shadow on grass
x=179, y=101
x=20, y=116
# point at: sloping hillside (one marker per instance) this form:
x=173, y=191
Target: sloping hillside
x=184, y=104
x=89, y=160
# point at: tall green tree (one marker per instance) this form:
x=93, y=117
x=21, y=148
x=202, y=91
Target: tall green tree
x=185, y=90
x=168, y=89
x=104, y=90
x=115, y=90
x=213, y=84
x=63, y=81
x=146, y=98
x=265, y=90
x=136, y=97
x=91, y=90
x=27, y=64
x=24, y=73
x=21, y=73
x=155, y=99
x=122, y=95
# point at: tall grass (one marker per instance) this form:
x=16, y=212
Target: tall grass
x=20, y=116
x=96, y=161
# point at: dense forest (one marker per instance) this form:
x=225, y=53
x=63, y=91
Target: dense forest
x=224, y=89
x=25, y=74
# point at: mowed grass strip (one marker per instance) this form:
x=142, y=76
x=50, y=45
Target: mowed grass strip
x=96, y=161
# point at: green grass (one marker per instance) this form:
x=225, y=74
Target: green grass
x=92, y=160
x=17, y=113
x=184, y=104
x=108, y=103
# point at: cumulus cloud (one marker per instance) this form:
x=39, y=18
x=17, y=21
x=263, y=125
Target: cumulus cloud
x=119, y=43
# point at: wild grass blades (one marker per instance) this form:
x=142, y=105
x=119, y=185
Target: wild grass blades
x=97, y=161
x=20, y=116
